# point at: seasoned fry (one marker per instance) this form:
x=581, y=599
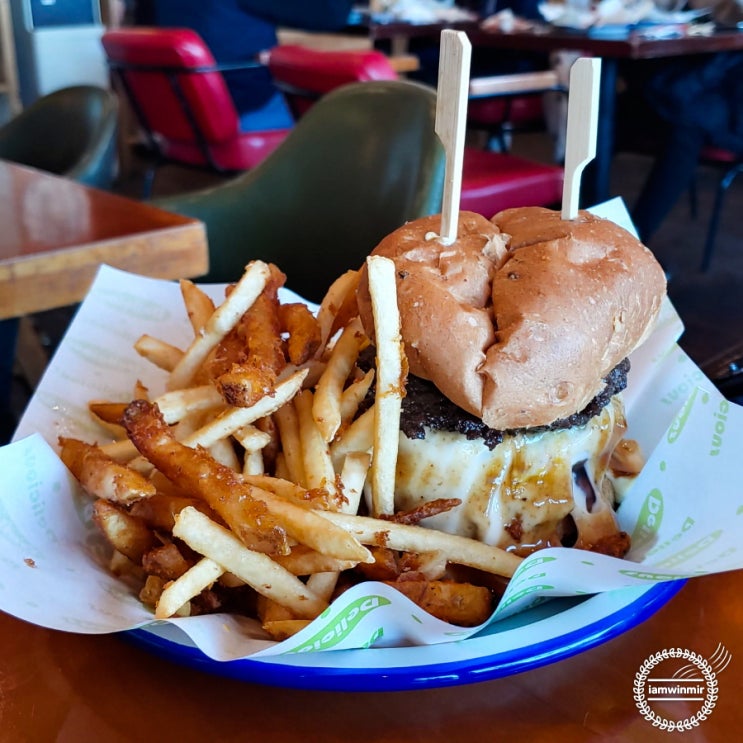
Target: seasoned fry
x=359, y=436
x=222, y=320
x=246, y=385
x=303, y=560
x=124, y=532
x=255, y=515
x=196, y=472
x=108, y=412
x=390, y=382
x=318, y=467
x=459, y=550
x=232, y=419
x=353, y=396
x=100, y=475
x=338, y=306
x=199, y=306
x=281, y=629
x=303, y=329
x=177, y=404
x=457, y=603
x=256, y=569
x=163, y=355
x=326, y=406
x=165, y=561
x=189, y=585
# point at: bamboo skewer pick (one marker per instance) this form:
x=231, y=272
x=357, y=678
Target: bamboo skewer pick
x=580, y=145
x=451, y=122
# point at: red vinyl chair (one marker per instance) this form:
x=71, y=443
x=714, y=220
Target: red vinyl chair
x=491, y=181
x=181, y=101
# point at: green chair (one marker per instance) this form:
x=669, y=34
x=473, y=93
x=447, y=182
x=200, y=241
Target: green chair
x=360, y=164
x=70, y=132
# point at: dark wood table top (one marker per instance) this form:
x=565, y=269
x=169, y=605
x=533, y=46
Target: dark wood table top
x=57, y=686
x=544, y=38
x=56, y=232
x=634, y=46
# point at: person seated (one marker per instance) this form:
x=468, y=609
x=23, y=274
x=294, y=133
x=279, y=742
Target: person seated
x=236, y=31
x=701, y=100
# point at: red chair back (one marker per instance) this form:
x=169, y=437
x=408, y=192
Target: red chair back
x=305, y=74
x=182, y=101
x=155, y=64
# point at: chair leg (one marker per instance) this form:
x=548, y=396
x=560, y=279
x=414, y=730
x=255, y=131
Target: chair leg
x=714, y=221
x=148, y=182
x=8, y=342
x=693, y=200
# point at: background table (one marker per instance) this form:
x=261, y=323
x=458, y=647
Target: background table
x=55, y=233
x=634, y=46
x=56, y=686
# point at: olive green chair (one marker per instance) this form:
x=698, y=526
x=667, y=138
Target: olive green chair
x=70, y=132
x=361, y=163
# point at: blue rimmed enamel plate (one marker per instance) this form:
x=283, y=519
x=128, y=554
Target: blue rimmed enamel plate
x=546, y=634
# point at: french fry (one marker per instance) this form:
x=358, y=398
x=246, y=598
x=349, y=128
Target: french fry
x=353, y=477
x=232, y=419
x=163, y=355
x=390, y=382
x=165, y=561
x=256, y=569
x=255, y=515
x=177, y=404
x=456, y=549
x=124, y=532
x=358, y=437
x=462, y=604
x=318, y=466
x=100, y=475
x=291, y=446
x=159, y=511
x=303, y=329
x=199, y=305
x=107, y=412
x=244, y=386
x=222, y=320
x=183, y=589
x=281, y=629
x=303, y=560
x=353, y=396
x=326, y=405
x=338, y=306
x=195, y=472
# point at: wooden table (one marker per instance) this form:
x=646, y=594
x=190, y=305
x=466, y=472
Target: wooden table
x=634, y=46
x=56, y=686
x=55, y=233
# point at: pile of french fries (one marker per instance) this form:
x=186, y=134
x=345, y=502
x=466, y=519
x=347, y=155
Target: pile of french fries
x=262, y=480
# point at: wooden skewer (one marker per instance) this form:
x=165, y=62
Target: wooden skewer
x=580, y=145
x=451, y=122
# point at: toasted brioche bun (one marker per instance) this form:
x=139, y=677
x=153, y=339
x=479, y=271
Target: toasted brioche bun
x=520, y=319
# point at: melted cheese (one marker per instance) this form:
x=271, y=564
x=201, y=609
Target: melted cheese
x=518, y=495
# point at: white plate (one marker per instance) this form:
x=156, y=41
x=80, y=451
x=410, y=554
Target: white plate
x=553, y=631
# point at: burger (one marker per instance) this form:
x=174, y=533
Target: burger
x=517, y=338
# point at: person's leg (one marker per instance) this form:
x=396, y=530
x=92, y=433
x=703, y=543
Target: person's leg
x=669, y=178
